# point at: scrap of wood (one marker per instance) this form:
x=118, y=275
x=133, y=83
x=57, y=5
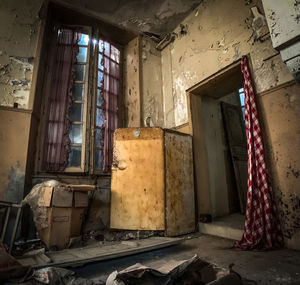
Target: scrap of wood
x=100, y=252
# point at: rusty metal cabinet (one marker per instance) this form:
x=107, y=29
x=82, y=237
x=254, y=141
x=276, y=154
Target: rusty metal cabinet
x=152, y=185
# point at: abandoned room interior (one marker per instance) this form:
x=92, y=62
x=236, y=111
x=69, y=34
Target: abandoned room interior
x=150, y=142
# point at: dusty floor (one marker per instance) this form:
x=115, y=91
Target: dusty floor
x=274, y=267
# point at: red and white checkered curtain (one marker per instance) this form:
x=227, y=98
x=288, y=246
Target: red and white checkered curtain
x=262, y=229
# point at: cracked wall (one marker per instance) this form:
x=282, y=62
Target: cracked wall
x=132, y=84
x=152, y=85
x=156, y=16
x=19, y=26
x=216, y=34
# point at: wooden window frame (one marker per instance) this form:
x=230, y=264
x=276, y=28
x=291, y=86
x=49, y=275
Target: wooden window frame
x=93, y=147
x=88, y=151
x=83, y=166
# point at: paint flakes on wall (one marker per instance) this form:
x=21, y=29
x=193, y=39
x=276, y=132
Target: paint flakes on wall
x=152, y=85
x=179, y=94
x=19, y=25
x=15, y=80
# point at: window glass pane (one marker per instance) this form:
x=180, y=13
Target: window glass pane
x=75, y=134
x=84, y=40
x=98, y=159
x=99, y=138
x=100, y=79
x=114, y=86
x=99, y=98
x=101, y=45
x=79, y=72
x=81, y=57
x=99, y=118
x=76, y=112
x=114, y=69
x=107, y=48
x=106, y=82
x=115, y=54
x=78, y=91
x=242, y=99
x=106, y=64
x=100, y=63
x=75, y=156
x=241, y=90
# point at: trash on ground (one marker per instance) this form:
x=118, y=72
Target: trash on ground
x=193, y=271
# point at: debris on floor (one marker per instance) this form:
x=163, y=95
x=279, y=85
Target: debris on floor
x=193, y=271
x=11, y=269
x=55, y=275
x=96, y=252
x=110, y=235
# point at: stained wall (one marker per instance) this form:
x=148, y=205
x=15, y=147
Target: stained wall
x=211, y=38
x=132, y=83
x=152, y=112
x=14, y=136
x=280, y=113
x=215, y=35
x=19, y=28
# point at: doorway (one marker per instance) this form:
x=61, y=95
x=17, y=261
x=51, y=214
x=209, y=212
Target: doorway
x=220, y=149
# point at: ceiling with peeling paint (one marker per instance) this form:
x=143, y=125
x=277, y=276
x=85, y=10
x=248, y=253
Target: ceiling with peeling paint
x=152, y=16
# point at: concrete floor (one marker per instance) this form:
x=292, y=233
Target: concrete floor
x=231, y=227
x=273, y=267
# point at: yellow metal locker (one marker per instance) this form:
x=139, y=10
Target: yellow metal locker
x=152, y=185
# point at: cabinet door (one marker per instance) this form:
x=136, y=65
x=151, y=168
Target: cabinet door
x=137, y=186
x=180, y=201
x=236, y=135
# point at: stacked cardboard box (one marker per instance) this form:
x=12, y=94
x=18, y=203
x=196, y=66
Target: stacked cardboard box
x=65, y=209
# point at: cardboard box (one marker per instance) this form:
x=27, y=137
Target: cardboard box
x=69, y=196
x=61, y=197
x=63, y=223
x=65, y=208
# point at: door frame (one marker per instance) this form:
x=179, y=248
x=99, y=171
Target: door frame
x=229, y=78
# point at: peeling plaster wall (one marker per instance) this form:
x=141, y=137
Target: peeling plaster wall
x=155, y=16
x=132, y=88
x=280, y=113
x=19, y=25
x=152, y=85
x=216, y=34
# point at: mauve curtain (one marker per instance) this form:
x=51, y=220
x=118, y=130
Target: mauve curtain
x=110, y=97
x=262, y=229
x=57, y=142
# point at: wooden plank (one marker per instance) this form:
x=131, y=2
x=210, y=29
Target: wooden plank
x=137, y=186
x=180, y=202
x=99, y=252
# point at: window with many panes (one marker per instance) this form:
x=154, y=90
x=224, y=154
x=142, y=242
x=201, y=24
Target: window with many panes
x=108, y=84
x=91, y=115
x=78, y=107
